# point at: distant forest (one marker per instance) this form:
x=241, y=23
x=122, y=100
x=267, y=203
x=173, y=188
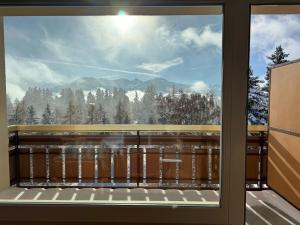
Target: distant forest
x=40, y=106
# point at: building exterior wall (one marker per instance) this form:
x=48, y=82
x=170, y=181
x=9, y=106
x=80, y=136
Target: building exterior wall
x=284, y=132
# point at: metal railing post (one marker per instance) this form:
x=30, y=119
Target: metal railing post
x=47, y=161
x=144, y=165
x=96, y=168
x=177, y=176
x=63, y=164
x=161, y=167
x=112, y=165
x=31, y=168
x=193, y=165
x=261, y=159
x=79, y=153
x=17, y=158
x=138, y=158
x=128, y=175
x=209, y=163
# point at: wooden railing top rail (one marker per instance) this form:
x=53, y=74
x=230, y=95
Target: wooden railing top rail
x=126, y=127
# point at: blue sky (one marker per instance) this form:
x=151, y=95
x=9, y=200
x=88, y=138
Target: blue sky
x=46, y=51
x=267, y=32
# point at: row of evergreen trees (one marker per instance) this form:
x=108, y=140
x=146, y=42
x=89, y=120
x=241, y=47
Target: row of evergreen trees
x=113, y=106
x=105, y=106
x=258, y=95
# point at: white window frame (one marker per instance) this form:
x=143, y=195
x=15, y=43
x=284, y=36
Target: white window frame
x=236, y=20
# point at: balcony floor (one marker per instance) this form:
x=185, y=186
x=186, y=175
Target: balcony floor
x=263, y=207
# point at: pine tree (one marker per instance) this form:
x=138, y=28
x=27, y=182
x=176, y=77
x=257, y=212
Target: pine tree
x=163, y=115
x=149, y=106
x=278, y=57
x=19, y=116
x=47, y=117
x=257, y=104
x=182, y=108
x=136, y=109
x=99, y=98
x=10, y=111
x=31, y=116
x=91, y=114
x=90, y=98
x=80, y=105
x=121, y=116
x=72, y=114
x=100, y=115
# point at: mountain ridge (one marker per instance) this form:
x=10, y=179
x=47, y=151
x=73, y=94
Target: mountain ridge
x=91, y=83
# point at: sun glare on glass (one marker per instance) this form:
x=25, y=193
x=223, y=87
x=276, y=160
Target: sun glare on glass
x=123, y=21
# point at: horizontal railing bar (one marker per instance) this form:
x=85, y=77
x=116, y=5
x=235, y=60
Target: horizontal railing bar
x=125, y=128
x=107, y=153
x=107, y=148
x=153, y=186
x=119, y=141
x=121, y=147
x=202, y=180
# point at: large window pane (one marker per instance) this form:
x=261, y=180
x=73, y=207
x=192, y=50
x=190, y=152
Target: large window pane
x=273, y=81
x=158, y=76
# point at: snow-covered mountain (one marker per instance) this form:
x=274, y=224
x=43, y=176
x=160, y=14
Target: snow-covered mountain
x=91, y=83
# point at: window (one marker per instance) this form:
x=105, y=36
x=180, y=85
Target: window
x=230, y=99
x=273, y=82
x=159, y=75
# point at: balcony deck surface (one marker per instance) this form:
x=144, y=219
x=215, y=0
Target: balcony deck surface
x=262, y=208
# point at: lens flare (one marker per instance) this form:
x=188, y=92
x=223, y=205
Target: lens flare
x=123, y=21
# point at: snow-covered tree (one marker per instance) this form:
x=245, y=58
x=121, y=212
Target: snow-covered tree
x=99, y=97
x=47, y=117
x=278, y=57
x=100, y=115
x=31, y=117
x=121, y=116
x=91, y=114
x=149, y=106
x=19, y=116
x=136, y=109
x=90, y=98
x=10, y=110
x=257, y=100
x=72, y=115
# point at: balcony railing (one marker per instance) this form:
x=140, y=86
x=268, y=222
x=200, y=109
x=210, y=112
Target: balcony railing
x=148, y=156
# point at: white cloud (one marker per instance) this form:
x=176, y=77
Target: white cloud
x=55, y=46
x=168, y=38
x=22, y=73
x=14, y=91
x=96, y=67
x=202, y=38
x=109, y=36
x=199, y=86
x=20, y=70
x=58, y=49
x=267, y=32
x=146, y=37
x=159, y=67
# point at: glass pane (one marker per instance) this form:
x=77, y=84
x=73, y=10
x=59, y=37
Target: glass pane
x=273, y=91
x=128, y=107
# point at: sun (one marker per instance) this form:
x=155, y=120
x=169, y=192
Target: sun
x=123, y=21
